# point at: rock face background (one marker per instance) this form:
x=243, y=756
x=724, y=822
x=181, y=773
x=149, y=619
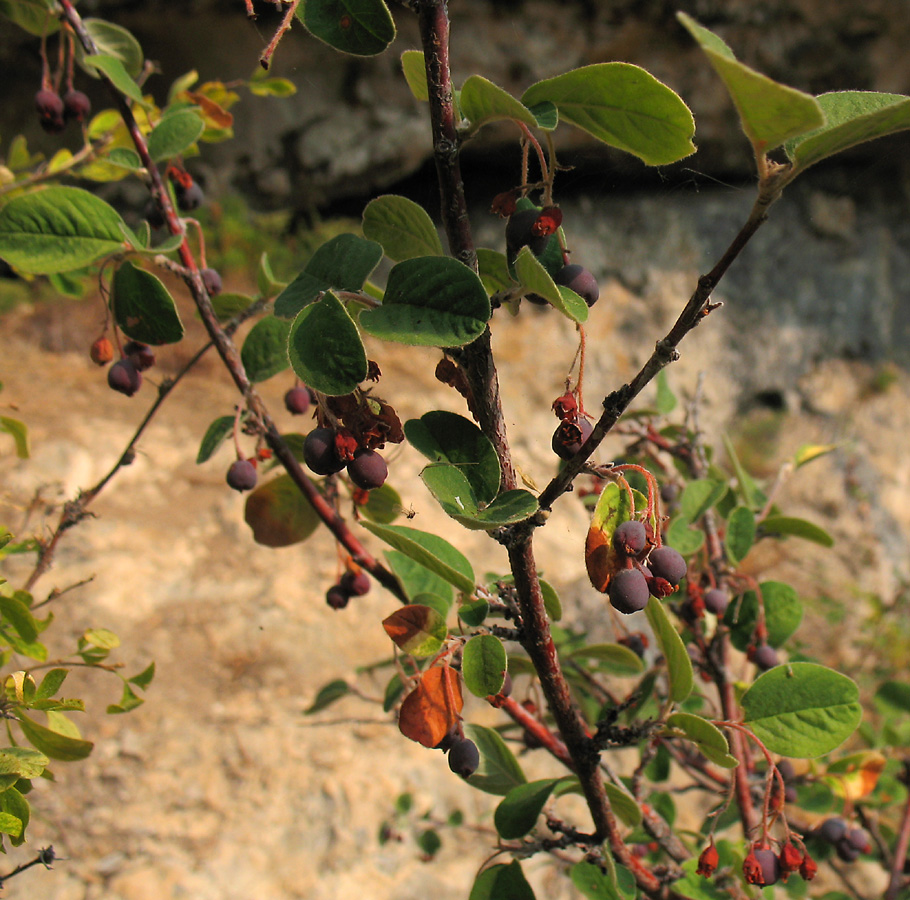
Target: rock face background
x=219, y=786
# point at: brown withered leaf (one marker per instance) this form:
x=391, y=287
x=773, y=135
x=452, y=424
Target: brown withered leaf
x=432, y=707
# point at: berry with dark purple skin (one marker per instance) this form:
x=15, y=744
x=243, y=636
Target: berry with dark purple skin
x=765, y=657
x=858, y=838
x=124, y=377
x=569, y=436
x=152, y=214
x=846, y=852
x=449, y=738
x=577, y=278
x=337, y=597
x=139, y=354
x=832, y=830
x=319, y=452
x=716, y=601
x=355, y=583
x=241, y=476
x=368, y=470
x=628, y=591
x=297, y=401
x=50, y=110
x=519, y=233
x=190, y=197
x=76, y=106
x=787, y=772
x=464, y=758
x=630, y=538
x=635, y=641
x=212, y=281
x=667, y=563
x=770, y=865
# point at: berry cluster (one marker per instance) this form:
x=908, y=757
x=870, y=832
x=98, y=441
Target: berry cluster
x=124, y=376
x=848, y=842
x=327, y=451
x=54, y=111
x=648, y=570
x=353, y=583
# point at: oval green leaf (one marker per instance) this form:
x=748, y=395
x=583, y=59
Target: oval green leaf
x=325, y=349
x=402, y=227
x=357, y=27
x=482, y=102
x=740, y=534
x=450, y=438
x=498, y=771
x=174, y=134
x=790, y=526
x=265, y=351
x=113, y=40
x=116, y=73
x=279, y=514
x=709, y=739
x=22, y=761
x=416, y=579
x=215, y=435
x=383, y=505
x=770, y=113
x=143, y=307
x=679, y=666
x=802, y=710
x=613, y=658
x=432, y=301
x=415, y=73
x=535, y=279
x=698, y=497
x=58, y=229
x=783, y=613
x=623, y=106
x=19, y=433
x=53, y=743
x=517, y=813
x=502, y=882
x=430, y=550
x=484, y=665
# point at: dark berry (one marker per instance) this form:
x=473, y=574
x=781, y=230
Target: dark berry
x=297, y=400
x=569, y=436
x=319, y=452
x=50, y=110
x=787, y=772
x=832, y=830
x=845, y=850
x=241, y=476
x=76, y=106
x=368, y=470
x=667, y=563
x=102, y=351
x=139, y=354
x=628, y=591
x=189, y=197
x=464, y=758
x=765, y=657
x=770, y=865
x=123, y=376
x=337, y=597
x=212, y=281
x=580, y=280
x=355, y=583
x=716, y=601
x=630, y=538
x=858, y=838
x=637, y=642
x=152, y=214
x=520, y=233
x=450, y=738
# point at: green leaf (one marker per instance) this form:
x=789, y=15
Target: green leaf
x=753, y=497
x=429, y=842
x=709, y=739
x=679, y=666
x=357, y=27
x=113, y=40
x=415, y=73
x=895, y=695
x=144, y=678
x=22, y=762
x=430, y=550
x=129, y=700
x=482, y=102
x=623, y=106
x=809, y=452
x=19, y=616
x=517, y=813
x=498, y=771
x=613, y=658
x=450, y=438
x=666, y=399
x=383, y=505
x=402, y=227
x=783, y=613
x=493, y=268
x=681, y=537
x=593, y=882
x=344, y=263
x=502, y=882
x=325, y=349
x=546, y=114
x=266, y=281
x=57, y=229
x=740, y=534
x=19, y=433
x=52, y=743
x=484, y=665
x=216, y=434
x=789, y=526
x=143, y=307
x=417, y=629
x=435, y=602
x=279, y=514
x=51, y=683
x=327, y=695
x=265, y=351
x=227, y=304
x=802, y=710
x=770, y=113
x=34, y=16
x=116, y=73
x=852, y=117
x=12, y=825
x=432, y=301
x=697, y=887
x=474, y=612
x=456, y=496
x=174, y=134
x=417, y=579
x=698, y=497
x=623, y=805
x=535, y=279
x=270, y=87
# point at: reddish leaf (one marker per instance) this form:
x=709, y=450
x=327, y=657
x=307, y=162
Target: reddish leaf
x=432, y=707
x=416, y=629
